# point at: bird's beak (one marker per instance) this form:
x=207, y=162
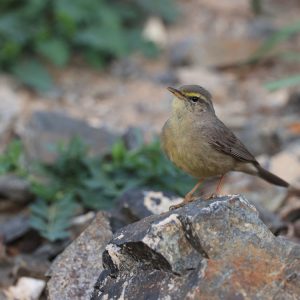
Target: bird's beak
x=177, y=93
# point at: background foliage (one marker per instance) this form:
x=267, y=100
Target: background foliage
x=270, y=48
x=76, y=182
x=36, y=32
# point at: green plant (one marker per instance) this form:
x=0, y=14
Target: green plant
x=11, y=161
x=268, y=49
x=76, y=181
x=34, y=32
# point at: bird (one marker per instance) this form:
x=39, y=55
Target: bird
x=200, y=144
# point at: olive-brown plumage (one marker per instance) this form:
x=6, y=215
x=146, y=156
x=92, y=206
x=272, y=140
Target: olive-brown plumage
x=196, y=141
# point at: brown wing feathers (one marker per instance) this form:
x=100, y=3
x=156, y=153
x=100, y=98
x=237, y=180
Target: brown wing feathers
x=223, y=140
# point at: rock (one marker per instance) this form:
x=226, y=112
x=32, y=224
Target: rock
x=126, y=67
x=287, y=164
x=155, y=31
x=27, y=265
x=263, y=141
x=261, y=27
x=272, y=220
x=181, y=52
x=26, y=289
x=166, y=78
x=14, y=227
x=133, y=138
x=75, y=271
x=228, y=6
x=293, y=104
x=137, y=204
x=10, y=108
x=14, y=189
x=46, y=129
x=255, y=189
x=216, y=249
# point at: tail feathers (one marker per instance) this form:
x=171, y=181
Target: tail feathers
x=272, y=178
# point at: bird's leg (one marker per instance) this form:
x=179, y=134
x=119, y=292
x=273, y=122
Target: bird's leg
x=189, y=197
x=218, y=189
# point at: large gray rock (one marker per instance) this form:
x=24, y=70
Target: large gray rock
x=217, y=249
x=74, y=272
x=46, y=129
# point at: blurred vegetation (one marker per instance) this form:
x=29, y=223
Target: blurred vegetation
x=270, y=49
x=76, y=182
x=35, y=32
x=12, y=160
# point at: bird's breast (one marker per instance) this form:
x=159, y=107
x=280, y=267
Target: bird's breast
x=188, y=148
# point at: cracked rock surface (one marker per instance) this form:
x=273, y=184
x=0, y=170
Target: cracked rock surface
x=216, y=249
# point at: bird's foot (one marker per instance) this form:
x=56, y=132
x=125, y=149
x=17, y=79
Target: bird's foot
x=212, y=196
x=187, y=199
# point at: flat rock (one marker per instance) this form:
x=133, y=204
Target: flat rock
x=75, y=271
x=47, y=129
x=216, y=249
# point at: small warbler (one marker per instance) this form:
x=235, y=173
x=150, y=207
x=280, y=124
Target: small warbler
x=196, y=141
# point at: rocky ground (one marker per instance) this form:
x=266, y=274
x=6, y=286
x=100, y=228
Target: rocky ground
x=217, y=249
x=206, y=46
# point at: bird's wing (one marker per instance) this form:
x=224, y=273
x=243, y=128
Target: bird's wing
x=222, y=139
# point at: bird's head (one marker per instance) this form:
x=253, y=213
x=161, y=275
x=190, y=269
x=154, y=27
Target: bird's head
x=193, y=98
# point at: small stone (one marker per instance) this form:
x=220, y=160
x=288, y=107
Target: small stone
x=14, y=227
x=75, y=271
x=26, y=289
x=155, y=32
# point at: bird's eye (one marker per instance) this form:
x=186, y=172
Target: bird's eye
x=194, y=99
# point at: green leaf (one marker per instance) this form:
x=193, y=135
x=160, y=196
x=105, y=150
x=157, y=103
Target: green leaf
x=275, y=39
x=118, y=151
x=282, y=83
x=33, y=74
x=56, y=50
x=52, y=220
x=291, y=56
x=11, y=160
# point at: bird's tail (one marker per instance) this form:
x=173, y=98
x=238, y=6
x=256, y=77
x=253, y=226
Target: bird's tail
x=272, y=178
